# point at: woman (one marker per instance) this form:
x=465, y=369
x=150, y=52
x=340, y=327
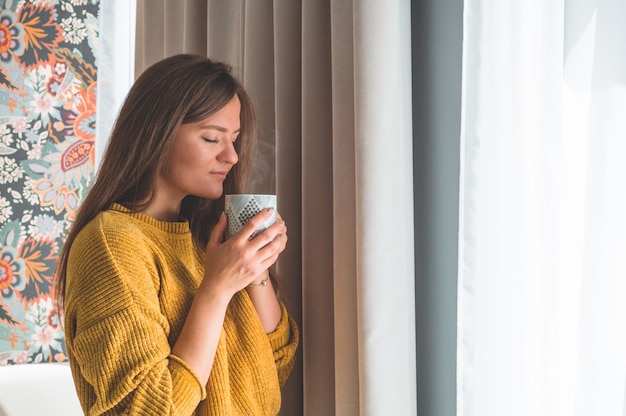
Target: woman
x=162, y=316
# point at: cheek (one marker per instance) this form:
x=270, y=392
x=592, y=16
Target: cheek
x=189, y=161
x=184, y=157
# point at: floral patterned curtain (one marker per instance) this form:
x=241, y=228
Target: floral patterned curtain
x=48, y=73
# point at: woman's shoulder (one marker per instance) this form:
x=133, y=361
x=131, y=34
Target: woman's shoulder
x=110, y=257
x=108, y=251
x=112, y=231
x=111, y=224
x=119, y=220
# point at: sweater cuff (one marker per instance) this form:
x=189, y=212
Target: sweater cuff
x=188, y=376
x=282, y=334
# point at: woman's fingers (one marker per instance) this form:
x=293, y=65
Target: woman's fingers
x=272, y=250
x=271, y=243
x=270, y=234
x=254, y=223
x=217, y=234
x=239, y=260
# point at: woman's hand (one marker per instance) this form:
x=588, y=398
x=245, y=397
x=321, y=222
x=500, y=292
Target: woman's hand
x=235, y=263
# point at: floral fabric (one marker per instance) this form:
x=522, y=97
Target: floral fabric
x=48, y=74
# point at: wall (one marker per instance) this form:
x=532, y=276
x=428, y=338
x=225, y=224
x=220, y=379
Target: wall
x=437, y=30
x=48, y=72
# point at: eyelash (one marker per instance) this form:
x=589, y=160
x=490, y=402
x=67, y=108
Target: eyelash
x=210, y=140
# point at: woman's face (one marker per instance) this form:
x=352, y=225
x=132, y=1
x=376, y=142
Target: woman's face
x=201, y=156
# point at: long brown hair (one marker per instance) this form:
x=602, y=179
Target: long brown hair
x=177, y=90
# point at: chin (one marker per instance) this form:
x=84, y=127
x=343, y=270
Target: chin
x=211, y=194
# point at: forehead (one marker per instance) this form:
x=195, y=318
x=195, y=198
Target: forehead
x=227, y=119
x=230, y=113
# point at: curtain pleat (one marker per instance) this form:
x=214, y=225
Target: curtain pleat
x=333, y=99
x=346, y=347
x=288, y=157
x=384, y=196
x=257, y=67
x=225, y=31
x=317, y=214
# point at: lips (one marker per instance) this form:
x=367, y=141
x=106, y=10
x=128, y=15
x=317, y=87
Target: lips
x=220, y=174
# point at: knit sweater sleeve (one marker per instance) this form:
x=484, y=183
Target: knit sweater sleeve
x=117, y=337
x=284, y=341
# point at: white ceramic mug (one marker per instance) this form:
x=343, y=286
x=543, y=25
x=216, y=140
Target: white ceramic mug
x=241, y=207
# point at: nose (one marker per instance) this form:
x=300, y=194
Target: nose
x=229, y=154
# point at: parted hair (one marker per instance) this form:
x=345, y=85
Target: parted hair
x=177, y=90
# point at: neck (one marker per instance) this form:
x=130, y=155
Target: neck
x=163, y=209
x=163, y=213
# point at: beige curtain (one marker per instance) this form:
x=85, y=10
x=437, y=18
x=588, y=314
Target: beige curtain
x=332, y=84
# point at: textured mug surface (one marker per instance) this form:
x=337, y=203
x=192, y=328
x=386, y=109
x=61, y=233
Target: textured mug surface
x=241, y=207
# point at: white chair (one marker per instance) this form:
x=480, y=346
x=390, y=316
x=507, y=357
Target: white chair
x=38, y=389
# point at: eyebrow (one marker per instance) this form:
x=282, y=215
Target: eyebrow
x=218, y=128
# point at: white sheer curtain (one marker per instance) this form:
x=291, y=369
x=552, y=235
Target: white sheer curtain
x=116, y=69
x=542, y=252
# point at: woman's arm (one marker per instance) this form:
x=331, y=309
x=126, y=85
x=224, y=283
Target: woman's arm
x=116, y=332
x=229, y=267
x=265, y=301
x=261, y=290
x=197, y=343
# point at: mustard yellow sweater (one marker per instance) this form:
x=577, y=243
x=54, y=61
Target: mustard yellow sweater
x=131, y=281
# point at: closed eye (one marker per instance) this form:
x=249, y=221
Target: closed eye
x=209, y=139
